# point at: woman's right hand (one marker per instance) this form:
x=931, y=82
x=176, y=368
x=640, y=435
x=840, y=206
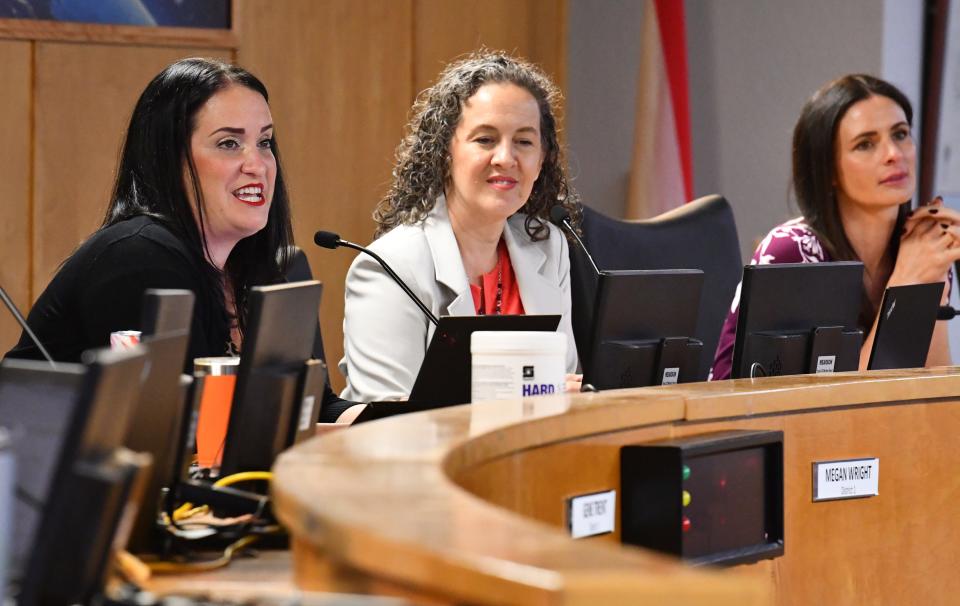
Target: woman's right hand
x=929, y=245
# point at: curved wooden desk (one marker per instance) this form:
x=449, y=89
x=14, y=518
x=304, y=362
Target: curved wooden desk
x=466, y=504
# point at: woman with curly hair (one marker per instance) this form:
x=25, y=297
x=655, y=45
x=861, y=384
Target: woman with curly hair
x=854, y=174
x=465, y=223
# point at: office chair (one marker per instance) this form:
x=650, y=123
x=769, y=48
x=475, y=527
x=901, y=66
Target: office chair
x=698, y=235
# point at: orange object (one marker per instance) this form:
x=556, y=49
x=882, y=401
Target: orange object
x=214, y=416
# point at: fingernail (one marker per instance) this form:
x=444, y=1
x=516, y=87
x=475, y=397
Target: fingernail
x=934, y=211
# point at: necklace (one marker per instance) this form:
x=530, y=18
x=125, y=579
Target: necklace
x=498, y=305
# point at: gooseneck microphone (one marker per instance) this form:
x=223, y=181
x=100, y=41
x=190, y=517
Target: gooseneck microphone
x=328, y=239
x=23, y=324
x=560, y=217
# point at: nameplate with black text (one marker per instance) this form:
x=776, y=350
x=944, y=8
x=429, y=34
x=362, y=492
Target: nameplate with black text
x=591, y=514
x=846, y=479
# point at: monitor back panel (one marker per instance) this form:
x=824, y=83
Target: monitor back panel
x=38, y=406
x=103, y=401
x=157, y=425
x=444, y=377
x=166, y=311
x=647, y=304
x=796, y=297
x=279, y=340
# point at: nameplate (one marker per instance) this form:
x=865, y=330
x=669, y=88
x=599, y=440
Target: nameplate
x=670, y=375
x=826, y=363
x=591, y=514
x=847, y=479
x=306, y=413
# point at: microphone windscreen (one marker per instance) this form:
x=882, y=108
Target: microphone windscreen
x=558, y=214
x=326, y=239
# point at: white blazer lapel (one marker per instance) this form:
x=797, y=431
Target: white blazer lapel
x=540, y=294
x=447, y=261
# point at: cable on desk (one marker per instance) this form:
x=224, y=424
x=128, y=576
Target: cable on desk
x=223, y=560
x=243, y=476
x=757, y=370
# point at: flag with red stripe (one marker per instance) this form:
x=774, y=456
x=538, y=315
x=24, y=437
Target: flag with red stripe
x=661, y=173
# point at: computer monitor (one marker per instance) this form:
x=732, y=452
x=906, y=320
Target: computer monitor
x=158, y=429
x=798, y=318
x=278, y=343
x=166, y=310
x=641, y=329
x=444, y=378
x=160, y=422
x=444, y=375
x=66, y=426
x=8, y=471
x=908, y=315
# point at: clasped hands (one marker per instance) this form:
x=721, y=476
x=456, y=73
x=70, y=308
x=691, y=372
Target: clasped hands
x=929, y=245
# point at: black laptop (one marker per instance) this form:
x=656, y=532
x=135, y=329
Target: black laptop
x=444, y=377
x=908, y=315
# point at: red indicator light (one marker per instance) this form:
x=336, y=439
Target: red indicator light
x=723, y=482
x=685, y=525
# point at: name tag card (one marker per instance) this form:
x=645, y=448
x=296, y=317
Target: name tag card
x=591, y=514
x=671, y=376
x=826, y=363
x=306, y=413
x=847, y=479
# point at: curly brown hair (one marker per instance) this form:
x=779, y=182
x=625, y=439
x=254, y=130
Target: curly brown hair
x=422, y=168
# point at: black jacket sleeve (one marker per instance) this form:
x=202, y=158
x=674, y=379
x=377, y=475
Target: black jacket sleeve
x=112, y=298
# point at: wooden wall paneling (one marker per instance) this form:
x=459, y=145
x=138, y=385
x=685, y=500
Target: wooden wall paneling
x=83, y=99
x=128, y=35
x=15, y=73
x=533, y=29
x=339, y=79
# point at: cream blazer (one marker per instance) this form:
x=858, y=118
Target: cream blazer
x=385, y=333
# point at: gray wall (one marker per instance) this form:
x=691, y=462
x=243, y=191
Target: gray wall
x=602, y=66
x=752, y=65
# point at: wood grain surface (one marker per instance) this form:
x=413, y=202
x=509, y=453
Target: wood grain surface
x=16, y=70
x=466, y=504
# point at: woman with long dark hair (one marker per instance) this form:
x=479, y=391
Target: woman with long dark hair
x=854, y=175
x=465, y=223
x=199, y=203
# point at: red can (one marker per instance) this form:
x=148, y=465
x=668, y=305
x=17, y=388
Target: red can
x=124, y=339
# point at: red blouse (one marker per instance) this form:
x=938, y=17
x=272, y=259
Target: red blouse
x=485, y=295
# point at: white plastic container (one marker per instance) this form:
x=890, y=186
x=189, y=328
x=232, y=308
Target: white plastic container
x=512, y=364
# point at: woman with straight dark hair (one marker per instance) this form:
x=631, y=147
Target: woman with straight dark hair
x=854, y=175
x=465, y=223
x=199, y=203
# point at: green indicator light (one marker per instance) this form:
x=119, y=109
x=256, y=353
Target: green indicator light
x=686, y=472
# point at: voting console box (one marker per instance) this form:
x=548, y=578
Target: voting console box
x=714, y=498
